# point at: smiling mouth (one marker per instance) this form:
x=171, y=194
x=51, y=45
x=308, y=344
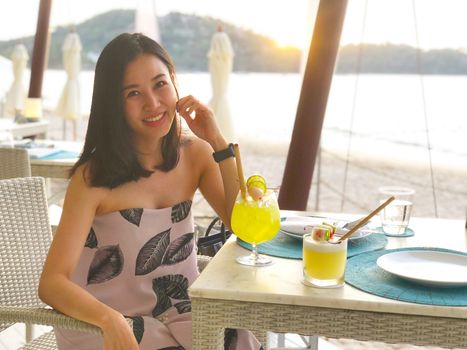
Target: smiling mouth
x=154, y=118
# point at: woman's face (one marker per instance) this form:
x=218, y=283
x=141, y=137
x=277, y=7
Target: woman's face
x=149, y=97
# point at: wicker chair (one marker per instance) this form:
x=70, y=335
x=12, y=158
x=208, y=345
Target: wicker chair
x=25, y=237
x=14, y=163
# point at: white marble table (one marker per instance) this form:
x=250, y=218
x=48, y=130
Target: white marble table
x=38, y=128
x=273, y=299
x=56, y=168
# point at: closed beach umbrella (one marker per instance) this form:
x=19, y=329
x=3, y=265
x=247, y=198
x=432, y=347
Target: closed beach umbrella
x=17, y=94
x=220, y=65
x=69, y=104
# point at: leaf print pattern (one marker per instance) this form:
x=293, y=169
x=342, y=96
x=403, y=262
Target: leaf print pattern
x=106, y=264
x=183, y=306
x=91, y=240
x=230, y=339
x=138, y=327
x=180, y=211
x=151, y=254
x=132, y=215
x=178, y=250
x=173, y=286
x=163, y=304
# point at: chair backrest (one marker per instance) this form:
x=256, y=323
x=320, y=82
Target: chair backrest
x=14, y=162
x=25, y=237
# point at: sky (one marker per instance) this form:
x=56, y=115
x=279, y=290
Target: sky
x=440, y=23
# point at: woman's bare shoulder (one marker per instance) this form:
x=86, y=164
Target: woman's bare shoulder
x=80, y=185
x=196, y=146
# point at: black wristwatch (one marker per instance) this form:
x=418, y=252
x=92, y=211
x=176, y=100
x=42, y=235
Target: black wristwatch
x=219, y=156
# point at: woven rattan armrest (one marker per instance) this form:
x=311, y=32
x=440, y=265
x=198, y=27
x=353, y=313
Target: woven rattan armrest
x=47, y=317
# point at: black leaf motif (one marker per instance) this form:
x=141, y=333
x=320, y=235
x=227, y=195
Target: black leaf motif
x=179, y=249
x=91, y=240
x=230, y=339
x=174, y=286
x=180, y=211
x=106, y=264
x=163, y=304
x=138, y=327
x=173, y=348
x=132, y=215
x=151, y=254
x=183, y=306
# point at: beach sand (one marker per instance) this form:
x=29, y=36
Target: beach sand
x=366, y=173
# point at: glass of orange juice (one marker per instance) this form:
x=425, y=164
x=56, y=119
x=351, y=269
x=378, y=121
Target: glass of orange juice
x=323, y=262
x=255, y=221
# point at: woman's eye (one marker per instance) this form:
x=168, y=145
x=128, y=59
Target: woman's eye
x=132, y=93
x=160, y=84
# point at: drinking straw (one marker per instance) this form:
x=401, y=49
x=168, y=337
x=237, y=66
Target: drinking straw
x=241, y=178
x=364, y=221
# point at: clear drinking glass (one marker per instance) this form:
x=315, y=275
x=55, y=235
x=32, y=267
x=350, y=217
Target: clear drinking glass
x=255, y=222
x=396, y=216
x=323, y=262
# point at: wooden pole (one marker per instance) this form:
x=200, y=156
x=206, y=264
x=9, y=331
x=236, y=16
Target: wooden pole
x=311, y=108
x=39, y=52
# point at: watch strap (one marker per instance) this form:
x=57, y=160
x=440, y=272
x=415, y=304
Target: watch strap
x=219, y=156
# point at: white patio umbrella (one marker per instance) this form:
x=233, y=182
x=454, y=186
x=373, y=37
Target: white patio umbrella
x=69, y=104
x=17, y=94
x=220, y=65
x=146, y=20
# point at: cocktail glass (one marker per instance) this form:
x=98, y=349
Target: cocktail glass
x=323, y=262
x=255, y=222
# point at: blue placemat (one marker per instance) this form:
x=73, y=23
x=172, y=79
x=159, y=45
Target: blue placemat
x=363, y=273
x=284, y=246
x=60, y=155
x=407, y=233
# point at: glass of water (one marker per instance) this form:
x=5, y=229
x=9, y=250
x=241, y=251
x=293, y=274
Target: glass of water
x=396, y=216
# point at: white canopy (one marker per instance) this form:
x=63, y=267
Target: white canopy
x=69, y=103
x=220, y=65
x=17, y=94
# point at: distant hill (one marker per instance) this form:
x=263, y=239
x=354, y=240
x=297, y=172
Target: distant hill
x=187, y=38
x=400, y=59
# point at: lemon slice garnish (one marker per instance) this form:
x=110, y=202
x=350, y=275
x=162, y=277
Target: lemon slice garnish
x=257, y=181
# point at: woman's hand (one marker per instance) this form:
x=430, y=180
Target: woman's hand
x=118, y=334
x=200, y=120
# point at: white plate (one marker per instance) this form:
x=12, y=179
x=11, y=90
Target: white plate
x=300, y=224
x=293, y=235
x=356, y=235
x=431, y=268
x=297, y=226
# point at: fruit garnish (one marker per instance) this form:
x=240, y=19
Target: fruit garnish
x=256, y=185
x=331, y=227
x=257, y=181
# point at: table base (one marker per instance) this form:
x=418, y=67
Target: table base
x=212, y=316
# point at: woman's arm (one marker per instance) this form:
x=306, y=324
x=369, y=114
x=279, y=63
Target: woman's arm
x=218, y=181
x=56, y=288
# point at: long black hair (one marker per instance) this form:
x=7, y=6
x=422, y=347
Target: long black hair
x=108, y=149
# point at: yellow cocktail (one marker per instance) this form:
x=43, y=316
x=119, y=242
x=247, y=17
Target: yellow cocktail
x=255, y=222
x=323, y=262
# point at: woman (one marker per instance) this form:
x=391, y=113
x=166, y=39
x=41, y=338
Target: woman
x=125, y=244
